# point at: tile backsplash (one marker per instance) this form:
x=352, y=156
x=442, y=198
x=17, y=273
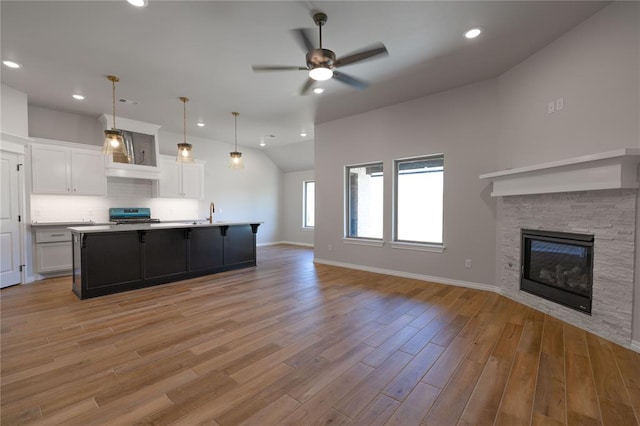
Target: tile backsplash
x=120, y=193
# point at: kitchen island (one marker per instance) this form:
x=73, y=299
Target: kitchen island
x=114, y=258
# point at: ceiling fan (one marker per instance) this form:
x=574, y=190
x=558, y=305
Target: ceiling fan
x=322, y=63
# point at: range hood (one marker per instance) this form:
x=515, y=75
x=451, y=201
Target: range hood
x=141, y=142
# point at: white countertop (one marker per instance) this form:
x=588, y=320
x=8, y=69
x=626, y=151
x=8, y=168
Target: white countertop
x=69, y=223
x=148, y=226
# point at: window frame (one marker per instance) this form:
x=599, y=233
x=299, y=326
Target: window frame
x=407, y=244
x=305, y=204
x=368, y=241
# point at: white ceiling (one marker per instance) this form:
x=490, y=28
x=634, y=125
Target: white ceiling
x=204, y=50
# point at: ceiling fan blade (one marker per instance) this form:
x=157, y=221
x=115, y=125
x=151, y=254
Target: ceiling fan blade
x=306, y=86
x=361, y=55
x=277, y=68
x=302, y=36
x=351, y=81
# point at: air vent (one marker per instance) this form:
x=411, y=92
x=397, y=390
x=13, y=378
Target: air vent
x=127, y=101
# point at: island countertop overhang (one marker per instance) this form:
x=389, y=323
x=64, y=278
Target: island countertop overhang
x=91, y=229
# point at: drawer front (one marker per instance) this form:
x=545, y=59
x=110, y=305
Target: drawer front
x=53, y=235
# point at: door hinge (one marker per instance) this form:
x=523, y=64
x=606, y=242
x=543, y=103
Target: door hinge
x=22, y=267
x=18, y=167
x=19, y=218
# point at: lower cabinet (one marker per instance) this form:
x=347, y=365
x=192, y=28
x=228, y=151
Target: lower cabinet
x=164, y=252
x=53, y=250
x=111, y=262
x=206, y=249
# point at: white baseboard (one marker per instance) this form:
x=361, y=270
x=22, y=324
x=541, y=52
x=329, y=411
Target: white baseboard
x=275, y=243
x=421, y=277
x=635, y=345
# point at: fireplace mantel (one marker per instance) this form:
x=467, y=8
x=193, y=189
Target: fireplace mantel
x=607, y=170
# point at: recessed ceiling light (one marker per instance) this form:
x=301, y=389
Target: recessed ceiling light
x=303, y=134
x=11, y=64
x=200, y=124
x=473, y=33
x=138, y=3
x=77, y=97
x=262, y=143
x=318, y=90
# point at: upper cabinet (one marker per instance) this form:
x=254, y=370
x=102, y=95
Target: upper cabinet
x=141, y=145
x=180, y=180
x=70, y=171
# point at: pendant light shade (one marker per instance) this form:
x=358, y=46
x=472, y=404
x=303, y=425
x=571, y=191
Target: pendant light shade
x=235, y=162
x=113, y=138
x=185, y=153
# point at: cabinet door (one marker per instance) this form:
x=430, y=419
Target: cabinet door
x=87, y=173
x=53, y=257
x=50, y=169
x=169, y=182
x=193, y=181
x=165, y=252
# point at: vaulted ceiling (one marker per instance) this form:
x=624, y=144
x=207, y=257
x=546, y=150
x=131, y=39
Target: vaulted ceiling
x=205, y=49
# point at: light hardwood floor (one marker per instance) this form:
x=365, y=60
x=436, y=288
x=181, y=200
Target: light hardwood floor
x=293, y=343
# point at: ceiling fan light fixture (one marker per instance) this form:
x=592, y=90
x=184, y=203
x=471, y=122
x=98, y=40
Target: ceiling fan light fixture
x=185, y=151
x=138, y=3
x=113, y=138
x=321, y=73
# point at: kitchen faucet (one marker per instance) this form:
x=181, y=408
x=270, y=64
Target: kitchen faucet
x=211, y=210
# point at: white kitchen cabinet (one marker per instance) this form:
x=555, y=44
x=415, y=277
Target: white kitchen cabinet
x=180, y=180
x=69, y=171
x=53, y=250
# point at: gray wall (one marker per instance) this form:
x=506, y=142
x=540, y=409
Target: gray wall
x=13, y=111
x=594, y=67
x=292, y=230
x=252, y=194
x=460, y=123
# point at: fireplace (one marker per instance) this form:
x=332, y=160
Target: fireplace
x=558, y=266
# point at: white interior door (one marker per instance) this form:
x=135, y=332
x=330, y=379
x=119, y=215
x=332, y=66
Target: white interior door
x=9, y=223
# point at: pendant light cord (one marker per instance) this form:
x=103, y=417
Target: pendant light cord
x=184, y=122
x=235, y=115
x=113, y=102
x=113, y=80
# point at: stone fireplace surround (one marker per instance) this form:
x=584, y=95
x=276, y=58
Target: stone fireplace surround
x=607, y=214
x=584, y=205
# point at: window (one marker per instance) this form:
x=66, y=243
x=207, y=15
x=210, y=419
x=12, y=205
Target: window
x=309, y=207
x=419, y=184
x=364, y=191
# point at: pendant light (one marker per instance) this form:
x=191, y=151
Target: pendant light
x=113, y=138
x=185, y=153
x=236, y=157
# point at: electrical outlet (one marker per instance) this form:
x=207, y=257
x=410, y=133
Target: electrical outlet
x=559, y=104
x=467, y=263
x=551, y=107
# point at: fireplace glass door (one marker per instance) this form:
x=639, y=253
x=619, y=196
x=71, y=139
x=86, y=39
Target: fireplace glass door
x=558, y=266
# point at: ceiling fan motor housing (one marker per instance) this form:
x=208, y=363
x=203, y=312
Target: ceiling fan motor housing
x=321, y=58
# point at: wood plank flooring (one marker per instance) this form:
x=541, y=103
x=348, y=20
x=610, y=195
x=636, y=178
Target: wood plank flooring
x=293, y=343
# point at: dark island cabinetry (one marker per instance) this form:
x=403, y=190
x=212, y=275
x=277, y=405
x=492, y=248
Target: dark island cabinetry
x=112, y=259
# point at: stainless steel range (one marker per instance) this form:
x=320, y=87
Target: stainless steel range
x=124, y=215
